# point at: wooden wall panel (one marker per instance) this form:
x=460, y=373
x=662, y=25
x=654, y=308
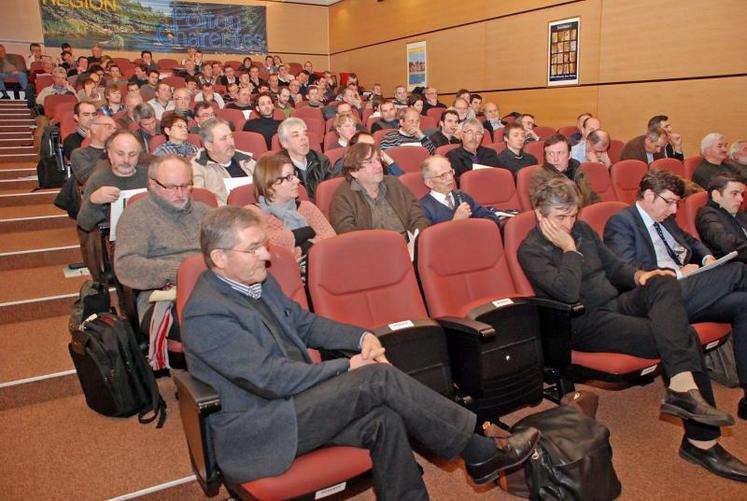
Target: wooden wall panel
x=695, y=108
x=354, y=23
x=644, y=40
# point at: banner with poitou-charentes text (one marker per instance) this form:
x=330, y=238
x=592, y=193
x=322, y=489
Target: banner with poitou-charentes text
x=155, y=25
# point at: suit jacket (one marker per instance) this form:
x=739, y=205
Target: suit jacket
x=436, y=212
x=229, y=346
x=634, y=150
x=721, y=231
x=627, y=236
x=461, y=159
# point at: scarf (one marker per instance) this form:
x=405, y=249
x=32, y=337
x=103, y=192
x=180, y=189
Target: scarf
x=287, y=212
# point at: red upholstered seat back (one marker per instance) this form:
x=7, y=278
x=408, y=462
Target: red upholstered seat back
x=599, y=177
x=544, y=132
x=536, y=149
x=690, y=211
x=443, y=150
x=523, y=182
x=597, y=215
x=364, y=278
x=252, y=142
x=324, y=193
x=491, y=188
x=626, y=176
x=669, y=164
x=691, y=164
x=414, y=183
x=408, y=158
x=460, y=262
x=616, y=147
x=514, y=232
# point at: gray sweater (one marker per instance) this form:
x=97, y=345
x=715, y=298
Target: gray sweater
x=83, y=161
x=153, y=238
x=92, y=214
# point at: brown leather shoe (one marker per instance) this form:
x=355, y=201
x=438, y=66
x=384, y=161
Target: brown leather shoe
x=716, y=460
x=509, y=452
x=690, y=405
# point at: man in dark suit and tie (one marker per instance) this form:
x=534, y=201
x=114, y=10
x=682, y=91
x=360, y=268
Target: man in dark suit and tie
x=444, y=202
x=248, y=340
x=721, y=223
x=646, y=235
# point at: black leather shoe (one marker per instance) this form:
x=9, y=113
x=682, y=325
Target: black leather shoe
x=509, y=452
x=742, y=409
x=690, y=405
x=716, y=460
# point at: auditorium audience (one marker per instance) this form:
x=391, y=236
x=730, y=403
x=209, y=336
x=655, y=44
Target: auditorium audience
x=400, y=97
x=156, y=233
x=627, y=310
x=448, y=132
x=578, y=135
x=123, y=171
x=558, y=163
x=288, y=221
x=527, y=121
x=647, y=236
x=11, y=67
x=646, y=148
x=713, y=149
x=91, y=93
x=162, y=101
x=444, y=202
x=265, y=124
x=431, y=100
x=408, y=133
x=593, y=148
x=84, y=114
x=147, y=125
x=148, y=91
x=470, y=153
x=202, y=113
x=60, y=86
x=345, y=129
x=388, y=120
x=674, y=143
x=513, y=157
x=311, y=166
x=493, y=124
x=738, y=156
x=113, y=96
x=175, y=129
x=207, y=94
x=219, y=159
x=243, y=101
x=590, y=124
x=721, y=223
x=369, y=200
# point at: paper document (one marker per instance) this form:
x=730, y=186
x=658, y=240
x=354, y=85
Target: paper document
x=714, y=264
x=234, y=182
x=117, y=208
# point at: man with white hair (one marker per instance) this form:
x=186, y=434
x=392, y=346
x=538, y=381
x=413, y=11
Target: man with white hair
x=713, y=149
x=471, y=153
x=60, y=86
x=311, y=167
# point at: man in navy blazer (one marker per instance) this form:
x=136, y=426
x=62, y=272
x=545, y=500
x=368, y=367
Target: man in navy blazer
x=646, y=235
x=248, y=340
x=444, y=202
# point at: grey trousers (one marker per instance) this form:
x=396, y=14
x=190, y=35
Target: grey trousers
x=377, y=407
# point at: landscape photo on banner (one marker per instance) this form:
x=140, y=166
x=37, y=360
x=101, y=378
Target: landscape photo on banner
x=155, y=25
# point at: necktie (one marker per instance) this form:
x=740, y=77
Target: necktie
x=670, y=251
x=450, y=201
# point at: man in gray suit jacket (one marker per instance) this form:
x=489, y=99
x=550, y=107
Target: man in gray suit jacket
x=244, y=337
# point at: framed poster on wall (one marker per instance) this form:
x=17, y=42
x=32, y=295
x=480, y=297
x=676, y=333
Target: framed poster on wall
x=562, y=51
x=417, y=74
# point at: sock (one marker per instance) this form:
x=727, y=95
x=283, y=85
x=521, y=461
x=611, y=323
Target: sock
x=478, y=449
x=682, y=382
x=703, y=444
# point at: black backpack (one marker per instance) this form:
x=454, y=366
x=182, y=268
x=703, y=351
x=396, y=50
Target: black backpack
x=94, y=298
x=572, y=460
x=51, y=167
x=114, y=375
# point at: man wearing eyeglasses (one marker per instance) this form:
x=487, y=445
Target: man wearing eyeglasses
x=156, y=233
x=445, y=202
x=471, y=155
x=646, y=235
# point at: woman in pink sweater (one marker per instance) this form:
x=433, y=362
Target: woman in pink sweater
x=289, y=222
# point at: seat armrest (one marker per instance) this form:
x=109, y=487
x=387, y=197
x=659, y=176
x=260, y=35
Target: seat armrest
x=201, y=395
x=466, y=326
x=573, y=309
x=404, y=325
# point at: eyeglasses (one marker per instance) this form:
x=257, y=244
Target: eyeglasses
x=289, y=177
x=444, y=176
x=476, y=133
x=103, y=124
x=670, y=203
x=179, y=125
x=173, y=187
x=254, y=249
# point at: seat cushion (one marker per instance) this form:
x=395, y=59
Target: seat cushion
x=613, y=363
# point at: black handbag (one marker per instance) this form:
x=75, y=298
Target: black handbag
x=572, y=460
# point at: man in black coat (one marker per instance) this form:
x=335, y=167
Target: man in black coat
x=627, y=310
x=471, y=153
x=721, y=223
